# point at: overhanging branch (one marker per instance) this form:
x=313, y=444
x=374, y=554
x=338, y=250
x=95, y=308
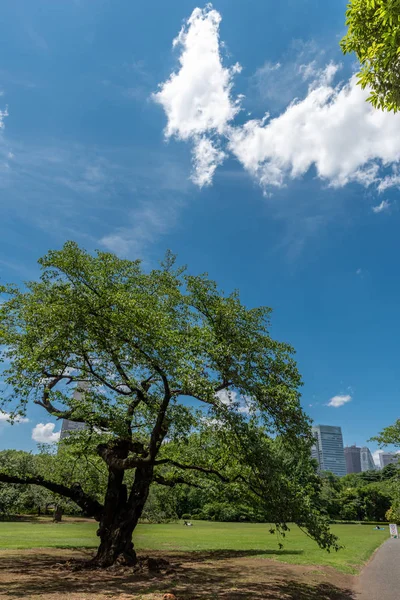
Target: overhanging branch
x=205, y=470
x=75, y=492
x=175, y=481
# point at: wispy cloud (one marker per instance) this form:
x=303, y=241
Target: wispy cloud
x=44, y=433
x=112, y=197
x=338, y=401
x=382, y=207
x=146, y=224
x=277, y=84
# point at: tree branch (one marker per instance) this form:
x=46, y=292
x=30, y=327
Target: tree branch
x=75, y=492
x=108, y=454
x=64, y=414
x=168, y=461
x=173, y=482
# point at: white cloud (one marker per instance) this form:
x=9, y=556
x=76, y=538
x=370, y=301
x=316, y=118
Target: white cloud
x=384, y=205
x=332, y=129
x=390, y=180
x=5, y=418
x=44, y=433
x=206, y=158
x=3, y=114
x=337, y=401
x=197, y=99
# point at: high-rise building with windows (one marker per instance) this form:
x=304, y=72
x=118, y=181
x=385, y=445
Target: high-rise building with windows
x=352, y=455
x=328, y=449
x=367, y=462
x=67, y=426
x=387, y=458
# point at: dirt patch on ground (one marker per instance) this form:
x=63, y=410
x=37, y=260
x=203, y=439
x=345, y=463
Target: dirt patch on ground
x=43, y=575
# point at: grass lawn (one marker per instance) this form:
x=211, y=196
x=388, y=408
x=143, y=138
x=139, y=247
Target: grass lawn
x=359, y=541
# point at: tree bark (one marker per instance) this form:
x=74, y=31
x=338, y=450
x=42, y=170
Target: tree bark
x=120, y=517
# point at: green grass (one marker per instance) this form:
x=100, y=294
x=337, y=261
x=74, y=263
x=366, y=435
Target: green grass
x=359, y=541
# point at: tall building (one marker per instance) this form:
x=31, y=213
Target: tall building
x=367, y=462
x=328, y=449
x=387, y=458
x=352, y=455
x=68, y=426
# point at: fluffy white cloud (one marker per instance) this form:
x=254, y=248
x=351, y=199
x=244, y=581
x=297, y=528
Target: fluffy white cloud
x=337, y=401
x=197, y=99
x=384, y=205
x=5, y=418
x=44, y=433
x=332, y=129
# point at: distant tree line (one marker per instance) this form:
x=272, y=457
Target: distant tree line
x=368, y=496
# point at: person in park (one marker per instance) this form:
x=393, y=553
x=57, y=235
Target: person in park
x=181, y=385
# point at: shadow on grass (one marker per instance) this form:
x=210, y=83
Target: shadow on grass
x=193, y=576
x=226, y=553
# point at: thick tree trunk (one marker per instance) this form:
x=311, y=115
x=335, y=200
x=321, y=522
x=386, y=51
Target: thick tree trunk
x=116, y=544
x=120, y=517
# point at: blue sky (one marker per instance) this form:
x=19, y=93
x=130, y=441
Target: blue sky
x=116, y=139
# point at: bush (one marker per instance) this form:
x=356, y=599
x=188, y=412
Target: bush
x=186, y=517
x=393, y=515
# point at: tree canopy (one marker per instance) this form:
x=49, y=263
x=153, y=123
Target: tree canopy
x=180, y=384
x=373, y=34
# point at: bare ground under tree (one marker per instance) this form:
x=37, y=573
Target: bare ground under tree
x=44, y=575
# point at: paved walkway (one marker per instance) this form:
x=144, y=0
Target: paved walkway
x=380, y=579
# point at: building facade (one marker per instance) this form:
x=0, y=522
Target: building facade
x=388, y=458
x=352, y=455
x=328, y=449
x=367, y=462
x=67, y=426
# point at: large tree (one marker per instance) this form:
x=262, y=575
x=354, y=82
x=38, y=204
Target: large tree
x=374, y=36
x=180, y=384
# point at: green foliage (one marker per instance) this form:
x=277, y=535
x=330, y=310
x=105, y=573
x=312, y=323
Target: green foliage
x=393, y=515
x=389, y=435
x=64, y=467
x=374, y=36
x=182, y=385
x=160, y=506
x=358, y=496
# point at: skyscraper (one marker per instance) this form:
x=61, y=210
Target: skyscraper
x=352, y=455
x=367, y=462
x=328, y=449
x=68, y=426
x=387, y=458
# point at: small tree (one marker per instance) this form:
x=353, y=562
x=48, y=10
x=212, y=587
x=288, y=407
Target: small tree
x=374, y=36
x=158, y=356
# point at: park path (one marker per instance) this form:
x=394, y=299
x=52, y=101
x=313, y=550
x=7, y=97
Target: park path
x=380, y=579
